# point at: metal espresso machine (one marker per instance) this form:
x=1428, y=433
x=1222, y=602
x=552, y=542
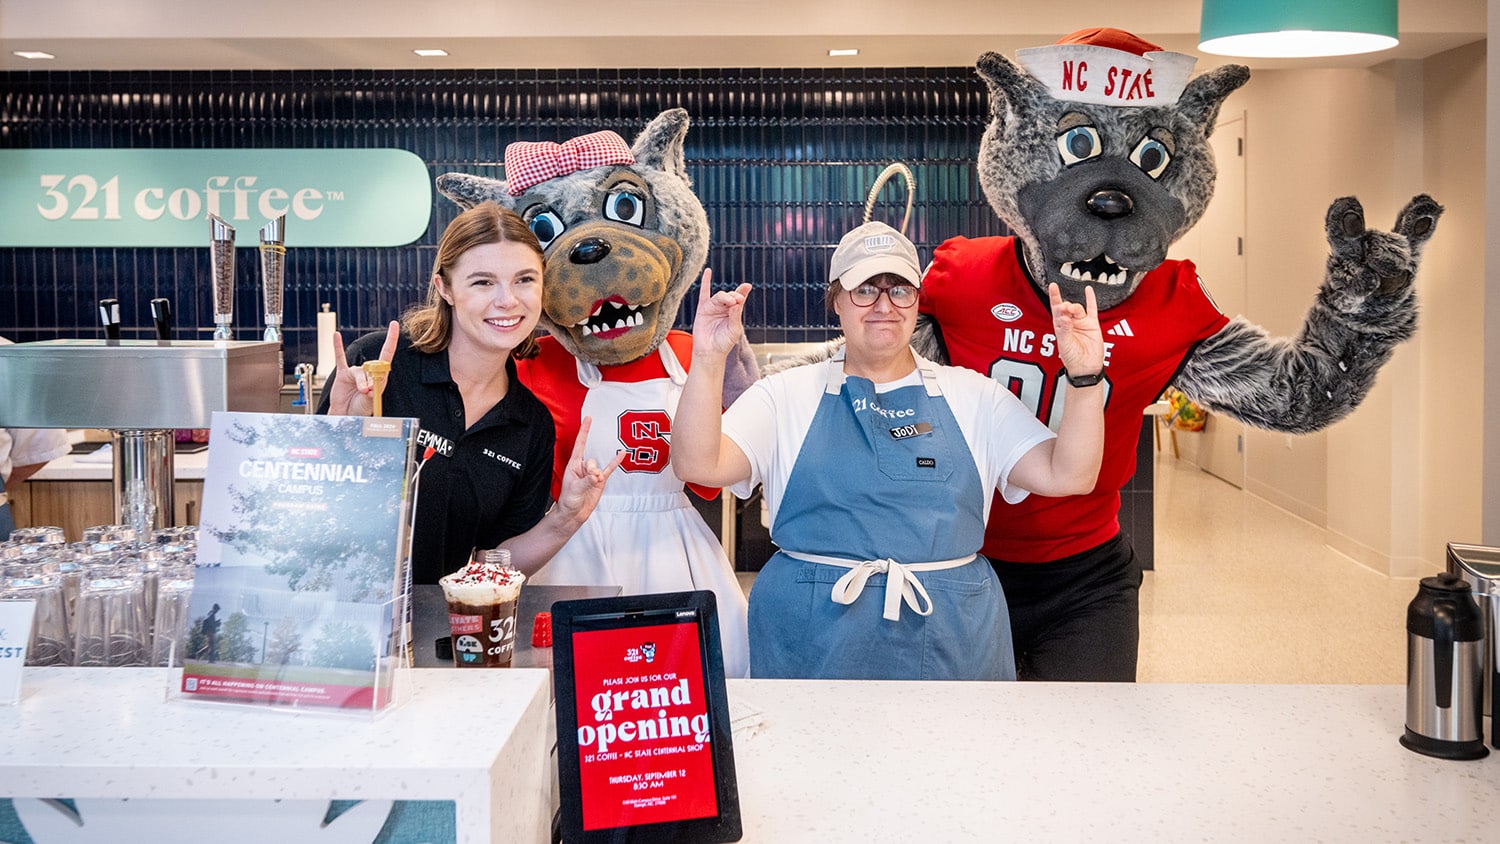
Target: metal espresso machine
x=142, y=390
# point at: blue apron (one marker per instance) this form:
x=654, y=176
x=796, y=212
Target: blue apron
x=878, y=577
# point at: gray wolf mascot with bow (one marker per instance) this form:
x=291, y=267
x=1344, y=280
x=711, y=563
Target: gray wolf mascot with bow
x=624, y=237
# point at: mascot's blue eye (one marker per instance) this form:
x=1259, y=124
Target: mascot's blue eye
x=546, y=226
x=1079, y=144
x=625, y=207
x=1152, y=156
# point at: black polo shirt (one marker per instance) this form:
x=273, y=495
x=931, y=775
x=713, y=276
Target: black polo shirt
x=481, y=486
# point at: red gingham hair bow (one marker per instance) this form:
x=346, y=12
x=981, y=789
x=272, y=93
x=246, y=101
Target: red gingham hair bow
x=528, y=163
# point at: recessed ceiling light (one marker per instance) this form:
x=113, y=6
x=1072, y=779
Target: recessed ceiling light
x=34, y=54
x=843, y=52
x=430, y=53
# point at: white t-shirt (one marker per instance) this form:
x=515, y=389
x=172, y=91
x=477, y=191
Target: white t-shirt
x=25, y=446
x=770, y=421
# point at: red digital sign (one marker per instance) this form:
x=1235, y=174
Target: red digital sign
x=643, y=726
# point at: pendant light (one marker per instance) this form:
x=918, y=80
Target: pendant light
x=1297, y=28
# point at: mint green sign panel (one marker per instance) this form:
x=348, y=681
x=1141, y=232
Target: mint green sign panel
x=162, y=197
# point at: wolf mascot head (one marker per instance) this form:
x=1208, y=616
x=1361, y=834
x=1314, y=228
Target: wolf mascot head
x=624, y=234
x=1097, y=156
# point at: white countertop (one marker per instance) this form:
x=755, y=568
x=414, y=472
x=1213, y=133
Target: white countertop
x=862, y=762
x=477, y=738
x=816, y=761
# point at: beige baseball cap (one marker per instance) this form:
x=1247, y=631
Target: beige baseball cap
x=870, y=250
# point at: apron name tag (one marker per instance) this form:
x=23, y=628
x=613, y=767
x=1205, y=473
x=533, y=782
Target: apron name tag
x=916, y=430
x=926, y=462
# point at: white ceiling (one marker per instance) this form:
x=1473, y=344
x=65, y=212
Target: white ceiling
x=318, y=34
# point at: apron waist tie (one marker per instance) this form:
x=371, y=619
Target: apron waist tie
x=658, y=503
x=901, y=584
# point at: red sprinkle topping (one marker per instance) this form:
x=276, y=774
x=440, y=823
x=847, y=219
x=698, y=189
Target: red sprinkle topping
x=481, y=572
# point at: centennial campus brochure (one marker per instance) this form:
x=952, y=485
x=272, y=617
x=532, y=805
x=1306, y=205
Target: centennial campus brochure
x=298, y=592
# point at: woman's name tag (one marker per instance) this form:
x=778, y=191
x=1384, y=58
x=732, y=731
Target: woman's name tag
x=915, y=430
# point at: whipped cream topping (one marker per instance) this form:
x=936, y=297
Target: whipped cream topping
x=481, y=582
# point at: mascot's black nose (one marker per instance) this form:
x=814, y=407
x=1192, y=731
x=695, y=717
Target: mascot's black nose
x=1110, y=204
x=589, y=251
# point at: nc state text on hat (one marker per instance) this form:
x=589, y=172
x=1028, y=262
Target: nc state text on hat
x=1129, y=84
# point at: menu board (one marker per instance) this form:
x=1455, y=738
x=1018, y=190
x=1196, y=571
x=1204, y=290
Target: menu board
x=299, y=588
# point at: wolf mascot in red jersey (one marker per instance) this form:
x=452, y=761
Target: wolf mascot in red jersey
x=625, y=237
x=1097, y=158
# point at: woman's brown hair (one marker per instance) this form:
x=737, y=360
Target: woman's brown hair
x=430, y=324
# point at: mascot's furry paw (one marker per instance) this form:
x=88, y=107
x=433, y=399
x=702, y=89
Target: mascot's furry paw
x=816, y=355
x=1365, y=307
x=1368, y=269
x=740, y=371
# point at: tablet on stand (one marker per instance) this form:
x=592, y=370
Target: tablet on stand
x=643, y=732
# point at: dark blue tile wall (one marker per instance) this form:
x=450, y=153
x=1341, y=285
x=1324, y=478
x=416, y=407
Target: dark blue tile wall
x=781, y=158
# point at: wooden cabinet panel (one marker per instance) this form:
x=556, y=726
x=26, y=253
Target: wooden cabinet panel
x=187, y=504
x=20, y=506
x=75, y=505
x=71, y=505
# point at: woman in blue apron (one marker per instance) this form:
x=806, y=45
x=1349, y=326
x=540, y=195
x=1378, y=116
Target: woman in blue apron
x=877, y=468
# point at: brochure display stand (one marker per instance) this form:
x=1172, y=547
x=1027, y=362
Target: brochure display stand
x=299, y=596
x=297, y=607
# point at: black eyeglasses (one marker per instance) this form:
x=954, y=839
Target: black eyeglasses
x=901, y=295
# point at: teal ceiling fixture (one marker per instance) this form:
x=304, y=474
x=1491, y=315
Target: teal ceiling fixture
x=1281, y=29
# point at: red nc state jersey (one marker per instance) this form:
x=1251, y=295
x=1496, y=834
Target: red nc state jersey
x=994, y=320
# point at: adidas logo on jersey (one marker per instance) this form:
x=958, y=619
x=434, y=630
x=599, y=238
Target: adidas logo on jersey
x=1121, y=329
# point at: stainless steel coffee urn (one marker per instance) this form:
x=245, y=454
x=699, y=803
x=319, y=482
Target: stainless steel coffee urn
x=1444, y=645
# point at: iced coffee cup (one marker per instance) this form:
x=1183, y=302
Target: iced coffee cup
x=482, y=599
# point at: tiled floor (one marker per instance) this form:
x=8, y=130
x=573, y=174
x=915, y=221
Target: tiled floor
x=1245, y=592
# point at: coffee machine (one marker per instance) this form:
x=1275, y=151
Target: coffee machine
x=1480, y=566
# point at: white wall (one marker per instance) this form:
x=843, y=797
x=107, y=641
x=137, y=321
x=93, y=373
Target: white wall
x=1490, y=121
x=1401, y=476
x=1452, y=397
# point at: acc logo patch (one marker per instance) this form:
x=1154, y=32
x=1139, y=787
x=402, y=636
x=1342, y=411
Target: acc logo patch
x=1006, y=312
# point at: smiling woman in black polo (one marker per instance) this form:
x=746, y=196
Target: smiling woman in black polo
x=485, y=483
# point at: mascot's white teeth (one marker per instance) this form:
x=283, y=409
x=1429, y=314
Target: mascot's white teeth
x=612, y=316
x=1100, y=270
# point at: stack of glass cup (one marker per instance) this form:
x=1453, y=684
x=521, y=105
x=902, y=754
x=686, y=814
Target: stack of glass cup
x=115, y=599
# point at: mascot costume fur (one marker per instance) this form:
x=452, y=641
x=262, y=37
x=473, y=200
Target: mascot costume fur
x=1097, y=158
x=625, y=237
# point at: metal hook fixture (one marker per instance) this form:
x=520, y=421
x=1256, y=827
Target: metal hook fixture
x=885, y=176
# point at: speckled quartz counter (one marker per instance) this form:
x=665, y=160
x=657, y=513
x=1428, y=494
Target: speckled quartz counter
x=899, y=762
x=816, y=761
x=476, y=738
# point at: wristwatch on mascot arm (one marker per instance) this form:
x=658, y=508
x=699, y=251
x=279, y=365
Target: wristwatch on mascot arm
x=1085, y=380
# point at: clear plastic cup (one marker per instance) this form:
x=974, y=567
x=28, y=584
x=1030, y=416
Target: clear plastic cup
x=49, y=643
x=111, y=621
x=38, y=535
x=109, y=533
x=482, y=612
x=169, y=636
